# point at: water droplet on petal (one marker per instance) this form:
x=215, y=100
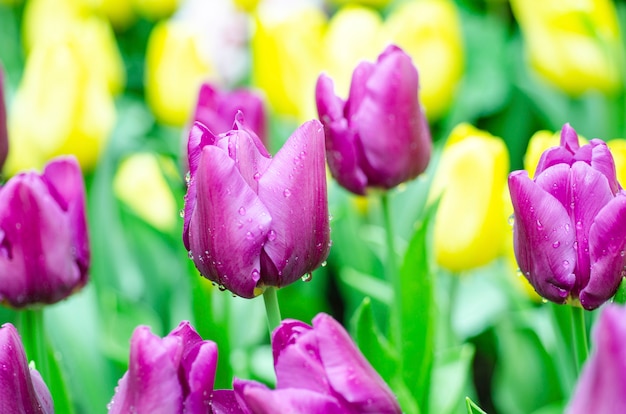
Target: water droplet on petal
x=222, y=287
x=324, y=263
x=307, y=277
x=190, y=254
x=511, y=219
x=556, y=244
x=249, y=236
x=565, y=263
x=256, y=176
x=187, y=177
x=539, y=225
x=286, y=193
x=271, y=236
x=182, y=213
x=242, y=211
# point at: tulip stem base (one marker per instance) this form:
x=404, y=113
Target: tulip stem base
x=579, y=336
x=272, y=310
x=34, y=339
x=393, y=275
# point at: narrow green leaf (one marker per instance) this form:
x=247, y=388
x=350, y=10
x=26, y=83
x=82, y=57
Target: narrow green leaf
x=368, y=285
x=620, y=295
x=417, y=315
x=472, y=407
x=450, y=376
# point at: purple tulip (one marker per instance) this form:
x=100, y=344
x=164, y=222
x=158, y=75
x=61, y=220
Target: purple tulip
x=22, y=389
x=174, y=374
x=601, y=387
x=44, y=246
x=379, y=137
x=251, y=220
x=216, y=109
x=570, y=223
x=4, y=134
x=318, y=370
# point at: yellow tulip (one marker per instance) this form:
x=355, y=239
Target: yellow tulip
x=574, y=45
x=470, y=179
x=430, y=32
x=140, y=184
x=618, y=149
x=53, y=21
x=246, y=5
x=287, y=58
x=176, y=66
x=61, y=106
x=371, y=3
x=119, y=12
x=353, y=35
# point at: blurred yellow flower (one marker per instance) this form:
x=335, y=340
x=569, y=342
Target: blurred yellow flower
x=53, y=21
x=372, y=3
x=287, y=57
x=538, y=143
x=575, y=45
x=469, y=227
x=246, y=5
x=140, y=184
x=119, y=12
x=430, y=32
x=61, y=106
x=618, y=150
x=353, y=35
x=176, y=66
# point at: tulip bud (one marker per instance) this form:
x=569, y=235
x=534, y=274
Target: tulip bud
x=44, y=247
x=22, y=390
x=575, y=46
x=174, y=374
x=216, y=109
x=569, y=239
x=600, y=387
x=379, y=136
x=250, y=220
x=318, y=370
x=470, y=179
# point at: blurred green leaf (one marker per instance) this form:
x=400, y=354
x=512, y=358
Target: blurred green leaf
x=620, y=295
x=418, y=315
x=472, y=408
x=451, y=372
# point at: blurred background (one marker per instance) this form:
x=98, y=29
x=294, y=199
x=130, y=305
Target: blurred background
x=116, y=83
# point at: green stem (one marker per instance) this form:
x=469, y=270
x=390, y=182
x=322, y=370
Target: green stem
x=393, y=275
x=579, y=336
x=272, y=310
x=34, y=339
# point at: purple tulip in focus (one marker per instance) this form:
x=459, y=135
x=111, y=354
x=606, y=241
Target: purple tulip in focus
x=4, y=134
x=251, y=220
x=379, y=136
x=174, y=374
x=570, y=223
x=217, y=109
x=44, y=245
x=318, y=370
x=21, y=388
x=601, y=387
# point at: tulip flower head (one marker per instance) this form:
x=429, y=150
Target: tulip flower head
x=22, y=389
x=216, y=109
x=44, y=246
x=379, y=136
x=600, y=387
x=251, y=220
x=569, y=231
x=318, y=370
x=174, y=374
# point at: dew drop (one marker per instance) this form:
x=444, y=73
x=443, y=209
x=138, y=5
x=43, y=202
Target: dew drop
x=182, y=213
x=271, y=236
x=565, y=263
x=539, y=225
x=307, y=277
x=622, y=253
x=190, y=254
x=287, y=193
x=242, y=211
x=188, y=177
x=511, y=219
x=256, y=176
x=556, y=244
x=324, y=263
x=221, y=288
x=249, y=236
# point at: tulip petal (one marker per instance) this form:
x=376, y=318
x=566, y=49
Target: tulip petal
x=228, y=225
x=199, y=137
x=290, y=400
x=294, y=191
x=348, y=371
x=607, y=241
x=225, y=402
x=38, y=245
x=600, y=387
x=569, y=139
x=391, y=126
x=151, y=383
x=341, y=148
x=358, y=87
x=199, y=366
x=602, y=160
x=243, y=148
x=21, y=389
x=65, y=183
x=296, y=358
x=543, y=238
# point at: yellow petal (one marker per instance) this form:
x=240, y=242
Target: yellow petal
x=618, y=150
x=154, y=10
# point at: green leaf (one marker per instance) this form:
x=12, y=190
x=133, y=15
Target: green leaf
x=451, y=369
x=417, y=315
x=620, y=295
x=370, y=286
x=472, y=407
